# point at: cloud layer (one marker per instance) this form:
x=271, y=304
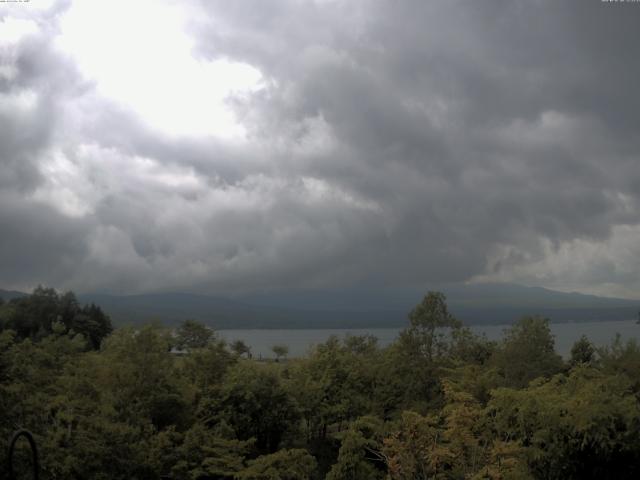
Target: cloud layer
x=258, y=145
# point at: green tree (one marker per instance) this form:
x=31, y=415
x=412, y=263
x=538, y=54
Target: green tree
x=471, y=349
x=294, y=464
x=280, y=351
x=253, y=401
x=527, y=352
x=335, y=385
x=430, y=327
x=93, y=323
x=200, y=452
x=361, y=344
x=33, y=316
x=582, y=425
x=53, y=390
x=239, y=347
x=139, y=376
x=206, y=367
x=414, y=364
x=192, y=334
x=414, y=451
x=359, y=457
x=622, y=358
x=582, y=352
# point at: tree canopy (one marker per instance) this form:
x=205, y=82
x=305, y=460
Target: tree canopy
x=34, y=316
x=438, y=403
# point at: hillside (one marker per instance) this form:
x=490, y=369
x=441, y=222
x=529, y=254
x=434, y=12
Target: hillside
x=474, y=304
x=358, y=308
x=9, y=294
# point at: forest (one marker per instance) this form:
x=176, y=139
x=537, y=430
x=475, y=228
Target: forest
x=439, y=403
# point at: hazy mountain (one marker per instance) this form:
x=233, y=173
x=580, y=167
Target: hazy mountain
x=357, y=308
x=476, y=296
x=220, y=312
x=474, y=304
x=174, y=307
x=9, y=294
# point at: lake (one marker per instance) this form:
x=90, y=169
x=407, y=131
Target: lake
x=300, y=341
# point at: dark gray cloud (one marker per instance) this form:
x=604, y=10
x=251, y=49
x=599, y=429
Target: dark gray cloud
x=391, y=143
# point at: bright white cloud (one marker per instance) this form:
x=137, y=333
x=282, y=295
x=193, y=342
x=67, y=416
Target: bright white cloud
x=22, y=102
x=66, y=188
x=140, y=56
x=602, y=267
x=13, y=29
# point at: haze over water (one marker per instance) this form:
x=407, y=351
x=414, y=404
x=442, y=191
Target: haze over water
x=300, y=341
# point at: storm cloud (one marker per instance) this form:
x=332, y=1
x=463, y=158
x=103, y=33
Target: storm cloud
x=382, y=143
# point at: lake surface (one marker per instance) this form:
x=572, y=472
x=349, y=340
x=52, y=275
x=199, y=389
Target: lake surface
x=300, y=341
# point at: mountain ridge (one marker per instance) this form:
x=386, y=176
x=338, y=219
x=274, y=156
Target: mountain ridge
x=356, y=308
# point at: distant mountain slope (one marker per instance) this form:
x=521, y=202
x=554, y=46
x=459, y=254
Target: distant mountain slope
x=492, y=295
x=358, y=308
x=174, y=307
x=504, y=303
x=220, y=313
x=9, y=294
x=512, y=295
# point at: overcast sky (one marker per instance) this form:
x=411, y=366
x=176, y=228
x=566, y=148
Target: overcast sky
x=229, y=146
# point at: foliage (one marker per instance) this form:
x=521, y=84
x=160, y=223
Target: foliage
x=527, y=352
x=34, y=316
x=240, y=348
x=451, y=444
x=429, y=327
x=200, y=452
x=582, y=352
x=294, y=464
x=192, y=334
x=281, y=351
x=413, y=451
x=359, y=457
x=581, y=425
x=622, y=358
x=253, y=402
x=439, y=403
